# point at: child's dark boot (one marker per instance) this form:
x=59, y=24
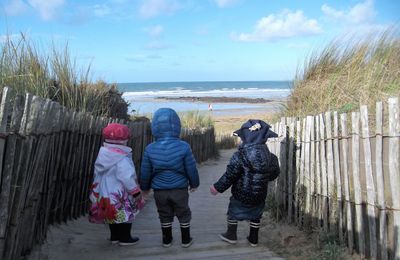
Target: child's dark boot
x=166, y=234
x=187, y=241
x=230, y=235
x=253, y=235
x=126, y=239
x=114, y=233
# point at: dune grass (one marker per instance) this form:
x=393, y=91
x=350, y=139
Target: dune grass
x=195, y=119
x=346, y=74
x=55, y=75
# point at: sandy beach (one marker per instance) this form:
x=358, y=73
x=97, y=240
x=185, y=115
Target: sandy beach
x=229, y=120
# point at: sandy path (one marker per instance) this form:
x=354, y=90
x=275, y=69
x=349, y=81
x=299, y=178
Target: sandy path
x=81, y=240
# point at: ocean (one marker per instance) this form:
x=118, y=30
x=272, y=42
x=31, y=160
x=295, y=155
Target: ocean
x=143, y=97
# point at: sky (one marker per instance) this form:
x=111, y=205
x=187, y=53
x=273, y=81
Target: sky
x=193, y=40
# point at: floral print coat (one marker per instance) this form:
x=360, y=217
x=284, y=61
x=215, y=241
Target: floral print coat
x=115, y=195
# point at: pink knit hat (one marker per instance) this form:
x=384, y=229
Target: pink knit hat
x=116, y=133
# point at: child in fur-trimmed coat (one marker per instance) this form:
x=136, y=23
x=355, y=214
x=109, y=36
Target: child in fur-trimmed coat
x=115, y=197
x=250, y=169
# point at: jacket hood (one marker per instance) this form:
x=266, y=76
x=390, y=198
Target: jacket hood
x=166, y=123
x=109, y=155
x=255, y=131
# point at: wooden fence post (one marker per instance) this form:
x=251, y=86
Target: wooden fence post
x=331, y=175
x=394, y=169
x=324, y=177
x=297, y=171
x=355, y=120
x=302, y=195
x=5, y=175
x=283, y=158
x=346, y=182
x=290, y=171
x=380, y=182
x=369, y=182
x=336, y=157
x=307, y=172
x=318, y=174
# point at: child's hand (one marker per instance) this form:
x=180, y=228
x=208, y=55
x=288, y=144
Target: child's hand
x=145, y=194
x=213, y=191
x=140, y=202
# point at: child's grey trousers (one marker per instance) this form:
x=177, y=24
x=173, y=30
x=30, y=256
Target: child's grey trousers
x=172, y=203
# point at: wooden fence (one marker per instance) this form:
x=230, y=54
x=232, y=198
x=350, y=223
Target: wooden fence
x=341, y=174
x=202, y=142
x=47, y=155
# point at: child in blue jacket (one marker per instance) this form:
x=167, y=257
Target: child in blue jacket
x=169, y=168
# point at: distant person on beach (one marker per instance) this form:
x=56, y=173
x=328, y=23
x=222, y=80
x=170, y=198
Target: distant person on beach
x=115, y=195
x=169, y=168
x=248, y=172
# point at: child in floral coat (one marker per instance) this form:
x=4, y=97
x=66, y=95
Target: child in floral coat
x=250, y=169
x=115, y=195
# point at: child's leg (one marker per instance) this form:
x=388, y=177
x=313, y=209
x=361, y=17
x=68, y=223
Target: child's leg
x=125, y=235
x=166, y=229
x=184, y=215
x=166, y=214
x=253, y=234
x=230, y=235
x=114, y=236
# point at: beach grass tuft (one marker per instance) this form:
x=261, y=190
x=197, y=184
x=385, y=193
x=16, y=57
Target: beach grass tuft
x=195, y=120
x=53, y=74
x=347, y=73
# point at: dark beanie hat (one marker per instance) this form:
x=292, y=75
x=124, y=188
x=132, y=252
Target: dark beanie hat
x=255, y=131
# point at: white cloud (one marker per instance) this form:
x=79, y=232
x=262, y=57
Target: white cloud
x=224, y=3
x=155, y=31
x=15, y=7
x=47, y=9
x=153, y=8
x=286, y=24
x=101, y=10
x=359, y=13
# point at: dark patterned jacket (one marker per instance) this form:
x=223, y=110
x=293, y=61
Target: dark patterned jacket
x=248, y=172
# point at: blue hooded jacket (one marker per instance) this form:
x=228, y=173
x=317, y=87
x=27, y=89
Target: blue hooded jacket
x=168, y=163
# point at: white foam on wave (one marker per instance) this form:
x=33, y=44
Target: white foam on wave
x=228, y=92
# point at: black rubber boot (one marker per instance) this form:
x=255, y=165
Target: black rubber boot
x=125, y=232
x=230, y=235
x=253, y=235
x=166, y=229
x=114, y=233
x=187, y=241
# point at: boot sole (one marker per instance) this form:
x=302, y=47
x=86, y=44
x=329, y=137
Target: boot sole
x=252, y=244
x=188, y=244
x=227, y=240
x=128, y=244
x=167, y=245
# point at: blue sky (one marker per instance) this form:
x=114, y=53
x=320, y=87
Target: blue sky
x=193, y=40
